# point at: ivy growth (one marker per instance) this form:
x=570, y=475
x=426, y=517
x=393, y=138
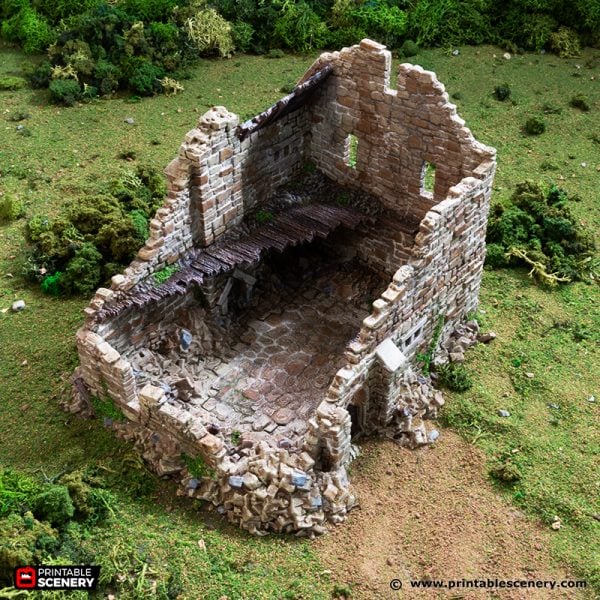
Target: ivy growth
x=426, y=358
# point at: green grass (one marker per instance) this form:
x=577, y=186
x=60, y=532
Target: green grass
x=71, y=150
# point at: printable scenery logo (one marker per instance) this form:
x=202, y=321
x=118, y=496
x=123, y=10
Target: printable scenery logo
x=56, y=578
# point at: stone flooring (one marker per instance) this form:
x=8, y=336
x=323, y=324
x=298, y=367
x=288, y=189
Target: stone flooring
x=283, y=359
x=287, y=359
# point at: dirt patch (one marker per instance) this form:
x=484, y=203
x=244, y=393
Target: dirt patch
x=432, y=514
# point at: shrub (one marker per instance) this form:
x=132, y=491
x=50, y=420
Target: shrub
x=82, y=274
x=107, y=75
x=502, y=92
x=581, y=102
x=538, y=229
x=9, y=83
x=149, y=10
x=454, y=376
x=449, y=22
x=408, y=49
x=535, y=126
x=299, y=27
x=64, y=91
x=10, y=209
x=38, y=75
x=209, y=33
x=92, y=240
x=51, y=284
x=534, y=31
x=241, y=34
x=145, y=77
x=30, y=29
x=170, y=86
x=385, y=23
x=19, y=542
x=565, y=43
x=53, y=504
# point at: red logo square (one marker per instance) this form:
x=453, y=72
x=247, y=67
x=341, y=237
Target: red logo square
x=25, y=578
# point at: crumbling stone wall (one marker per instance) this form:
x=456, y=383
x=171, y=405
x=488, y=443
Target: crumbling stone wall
x=432, y=247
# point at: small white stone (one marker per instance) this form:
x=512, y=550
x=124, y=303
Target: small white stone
x=18, y=305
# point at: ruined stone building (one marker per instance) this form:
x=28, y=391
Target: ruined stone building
x=299, y=266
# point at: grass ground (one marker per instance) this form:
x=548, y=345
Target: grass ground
x=552, y=334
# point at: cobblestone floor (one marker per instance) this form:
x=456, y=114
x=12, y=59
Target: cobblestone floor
x=282, y=357
x=287, y=359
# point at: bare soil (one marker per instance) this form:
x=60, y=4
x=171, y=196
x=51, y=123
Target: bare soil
x=433, y=514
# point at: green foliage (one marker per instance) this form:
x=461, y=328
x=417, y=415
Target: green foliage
x=580, y=101
x=209, y=33
x=534, y=126
x=264, y=216
x=105, y=407
x=10, y=83
x=409, y=49
x=235, y=437
x=23, y=541
x=299, y=27
x=144, y=77
x=197, y=467
x=93, y=239
x=83, y=272
x=565, y=42
x=242, y=34
x=149, y=10
x=426, y=358
x=39, y=76
x=11, y=208
x=164, y=274
x=502, y=92
x=538, y=229
x=449, y=22
x=382, y=21
x=64, y=91
x=30, y=29
x=15, y=491
x=454, y=376
x=51, y=284
x=54, y=505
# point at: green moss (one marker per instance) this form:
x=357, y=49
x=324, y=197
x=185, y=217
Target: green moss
x=454, y=377
x=24, y=540
x=535, y=126
x=53, y=504
x=197, y=467
x=164, y=274
x=106, y=407
x=11, y=83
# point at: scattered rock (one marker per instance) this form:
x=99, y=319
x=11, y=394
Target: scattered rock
x=485, y=338
x=455, y=52
x=433, y=435
x=185, y=340
x=503, y=413
x=390, y=562
x=554, y=406
x=556, y=524
x=18, y=306
x=529, y=375
x=506, y=56
x=129, y=121
x=592, y=399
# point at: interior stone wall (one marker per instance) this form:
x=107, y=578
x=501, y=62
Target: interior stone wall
x=398, y=130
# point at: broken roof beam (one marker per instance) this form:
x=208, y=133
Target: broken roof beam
x=293, y=101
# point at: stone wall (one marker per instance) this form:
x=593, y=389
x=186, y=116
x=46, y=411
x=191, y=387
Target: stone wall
x=432, y=247
x=397, y=130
